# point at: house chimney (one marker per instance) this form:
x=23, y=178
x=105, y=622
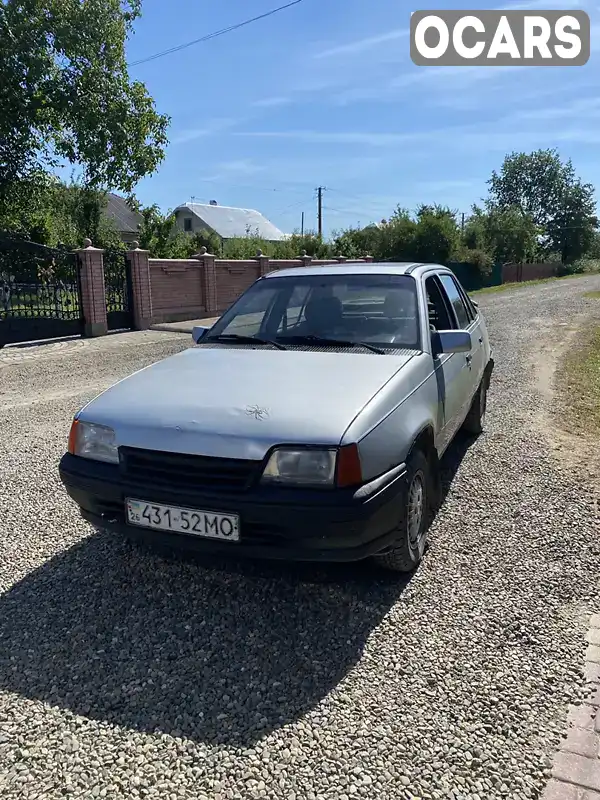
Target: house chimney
x=213, y=203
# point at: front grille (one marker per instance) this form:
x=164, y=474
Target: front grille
x=180, y=471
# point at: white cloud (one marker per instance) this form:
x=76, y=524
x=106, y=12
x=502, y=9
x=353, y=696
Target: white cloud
x=212, y=127
x=360, y=45
x=443, y=78
x=583, y=107
x=501, y=134
x=445, y=186
x=272, y=102
x=240, y=167
x=342, y=137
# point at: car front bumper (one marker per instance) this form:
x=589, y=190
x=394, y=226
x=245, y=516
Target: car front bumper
x=275, y=522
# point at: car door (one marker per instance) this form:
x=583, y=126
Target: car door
x=466, y=320
x=479, y=335
x=452, y=372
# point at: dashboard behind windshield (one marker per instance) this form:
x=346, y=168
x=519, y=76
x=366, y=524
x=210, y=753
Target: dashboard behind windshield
x=379, y=309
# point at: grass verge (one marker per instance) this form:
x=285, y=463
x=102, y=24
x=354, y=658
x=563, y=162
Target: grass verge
x=579, y=382
x=592, y=295
x=503, y=287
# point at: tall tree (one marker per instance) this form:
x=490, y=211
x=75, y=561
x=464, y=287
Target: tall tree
x=505, y=232
x=436, y=234
x=65, y=93
x=547, y=189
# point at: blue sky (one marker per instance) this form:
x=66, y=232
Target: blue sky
x=325, y=93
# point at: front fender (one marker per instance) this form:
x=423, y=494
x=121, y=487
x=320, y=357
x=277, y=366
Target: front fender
x=389, y=442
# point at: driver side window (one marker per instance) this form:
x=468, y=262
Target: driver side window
x=440, y=318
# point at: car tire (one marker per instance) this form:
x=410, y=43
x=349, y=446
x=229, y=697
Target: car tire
x=474, y=423
x=407, y=551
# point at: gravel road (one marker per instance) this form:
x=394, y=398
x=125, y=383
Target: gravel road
x=123, y=675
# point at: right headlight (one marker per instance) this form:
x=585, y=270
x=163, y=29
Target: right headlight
x=305, y=467
x=90, y=440
x=311, y=466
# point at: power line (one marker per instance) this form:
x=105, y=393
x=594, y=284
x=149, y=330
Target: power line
x=213, y=35
x=221, y=179
x=341, y=210
x=349, y=196
x=292, y=205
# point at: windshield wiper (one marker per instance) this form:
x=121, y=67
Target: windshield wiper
x=237, y=337
x=310, y=338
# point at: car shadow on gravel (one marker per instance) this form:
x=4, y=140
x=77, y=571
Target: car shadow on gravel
x=217, y=653
x=451, y=461
x=222, y=653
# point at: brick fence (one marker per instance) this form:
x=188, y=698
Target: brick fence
x=171, y=290
x=516, y=273
x=206, y=285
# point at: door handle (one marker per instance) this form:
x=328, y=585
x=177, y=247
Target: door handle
x=468, y=359
x=481, y=340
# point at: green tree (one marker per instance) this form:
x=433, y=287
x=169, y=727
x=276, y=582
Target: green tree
x=548, y=191
x=436, y=236
x=49, y=211
x=397, y=236
x=506, y=233
x=358, y=242
x=161, y=237
x=65, y=94
x=573, y=228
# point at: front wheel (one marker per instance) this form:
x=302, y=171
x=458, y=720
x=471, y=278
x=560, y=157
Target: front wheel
x=475, y=420
x=407, y=551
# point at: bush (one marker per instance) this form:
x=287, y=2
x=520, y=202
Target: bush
x=479, y=258
x=574, y=268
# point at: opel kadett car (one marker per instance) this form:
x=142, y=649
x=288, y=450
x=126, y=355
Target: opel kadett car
x=306, y=424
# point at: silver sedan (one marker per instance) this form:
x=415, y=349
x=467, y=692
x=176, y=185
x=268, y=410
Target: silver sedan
x=307, y=423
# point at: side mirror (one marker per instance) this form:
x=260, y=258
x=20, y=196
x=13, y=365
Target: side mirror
x=198, y=332
x=451, y=342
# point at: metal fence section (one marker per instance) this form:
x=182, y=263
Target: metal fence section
x=117, y=285
x=40, y=291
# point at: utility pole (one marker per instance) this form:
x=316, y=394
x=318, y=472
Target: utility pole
x=320, y=190
x=302, y=227
x=462, y=224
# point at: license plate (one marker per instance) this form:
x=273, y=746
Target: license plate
x=183, y=520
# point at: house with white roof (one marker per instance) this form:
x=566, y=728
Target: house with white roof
x=226, y=222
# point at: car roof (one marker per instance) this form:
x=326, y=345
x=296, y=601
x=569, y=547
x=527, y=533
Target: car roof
x=362, y=268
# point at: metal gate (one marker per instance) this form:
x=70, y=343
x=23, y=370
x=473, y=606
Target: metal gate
x=117, y=284
x=40, y=291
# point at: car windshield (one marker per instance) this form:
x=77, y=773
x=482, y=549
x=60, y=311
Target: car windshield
x=374, y=309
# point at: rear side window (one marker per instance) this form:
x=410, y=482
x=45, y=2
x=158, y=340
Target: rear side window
x=473, y=313
x=458, y=304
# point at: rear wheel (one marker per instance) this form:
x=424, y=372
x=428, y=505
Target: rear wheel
x=409, y=546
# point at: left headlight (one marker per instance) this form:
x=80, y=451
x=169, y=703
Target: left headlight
x=97, y=442
x=305, y=467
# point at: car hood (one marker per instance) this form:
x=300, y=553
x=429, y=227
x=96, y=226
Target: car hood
x=239, y=402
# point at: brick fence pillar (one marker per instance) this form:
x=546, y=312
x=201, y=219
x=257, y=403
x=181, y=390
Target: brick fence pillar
x=369, y=259
x=141, y=288
x=93, y=293
x=209, y=281
x=341, y=259
x=264, y=263
x=306, y=259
